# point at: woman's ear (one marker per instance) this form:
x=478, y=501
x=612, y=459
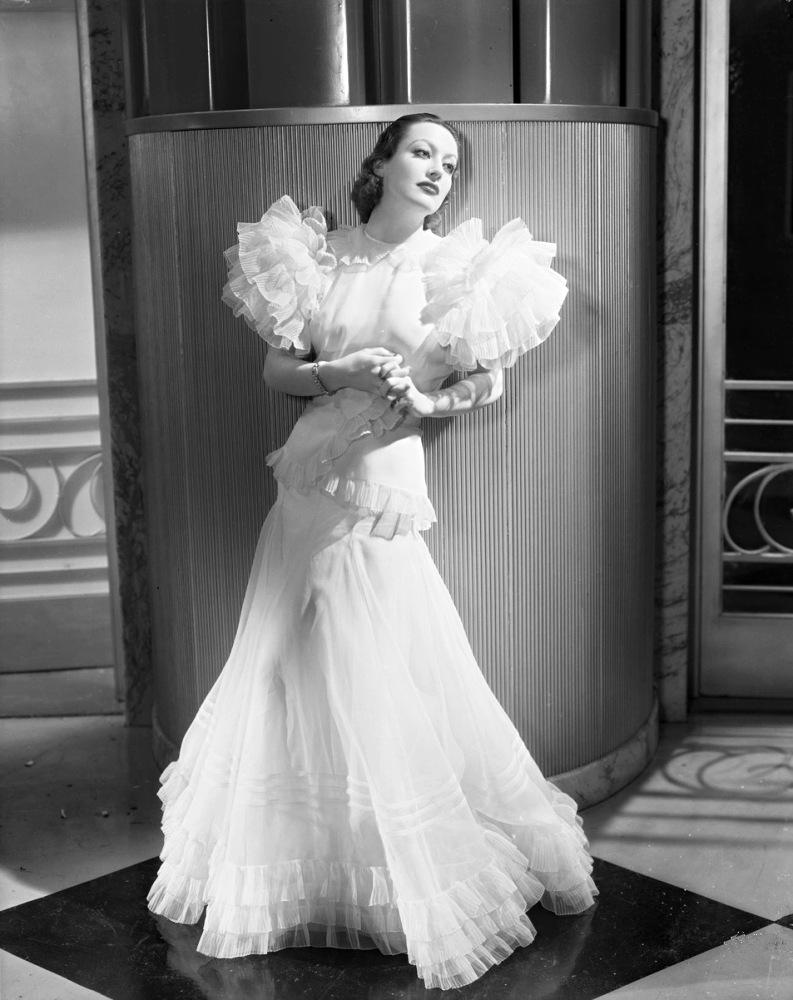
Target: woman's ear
x=377, y=168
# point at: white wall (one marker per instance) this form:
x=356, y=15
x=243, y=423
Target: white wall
x=46, y=317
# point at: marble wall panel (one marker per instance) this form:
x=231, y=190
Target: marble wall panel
x=102, y=72
x=675, y=61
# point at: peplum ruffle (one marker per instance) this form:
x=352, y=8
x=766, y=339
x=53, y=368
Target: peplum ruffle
x=491, y=302
x=279, y=273
x=324, y=434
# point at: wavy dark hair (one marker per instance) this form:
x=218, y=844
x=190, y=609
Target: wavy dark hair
x=368, y=188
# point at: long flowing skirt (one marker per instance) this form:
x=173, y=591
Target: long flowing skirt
x=350, y=780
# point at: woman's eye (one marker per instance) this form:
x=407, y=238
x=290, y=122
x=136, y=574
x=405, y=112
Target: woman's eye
x=422, y=152
x=449, y=168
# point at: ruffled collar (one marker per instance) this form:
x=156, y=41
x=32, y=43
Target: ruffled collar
x=354, y=246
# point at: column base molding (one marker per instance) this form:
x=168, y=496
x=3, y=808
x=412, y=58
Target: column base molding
x=599, y=779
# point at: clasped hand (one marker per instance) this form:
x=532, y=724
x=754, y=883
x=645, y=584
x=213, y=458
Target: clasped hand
x=383, y=373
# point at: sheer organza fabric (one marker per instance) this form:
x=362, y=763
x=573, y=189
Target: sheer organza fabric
x=350, y=780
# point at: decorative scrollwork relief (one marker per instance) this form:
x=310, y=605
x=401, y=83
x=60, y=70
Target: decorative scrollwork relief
x=41, y=499
x=752, y=492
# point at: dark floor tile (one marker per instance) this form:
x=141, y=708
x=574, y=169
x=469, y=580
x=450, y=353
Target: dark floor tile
x=100, y=935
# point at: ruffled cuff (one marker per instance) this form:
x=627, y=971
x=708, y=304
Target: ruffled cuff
x=492, y=302
x=279, y=273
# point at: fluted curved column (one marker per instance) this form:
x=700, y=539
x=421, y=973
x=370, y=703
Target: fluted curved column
x=545, y=500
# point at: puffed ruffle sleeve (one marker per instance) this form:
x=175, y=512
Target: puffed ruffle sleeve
x=279, y=273
x=491, y=302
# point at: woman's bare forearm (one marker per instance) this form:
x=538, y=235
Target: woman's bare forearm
x=285, y=372
x=471, y=393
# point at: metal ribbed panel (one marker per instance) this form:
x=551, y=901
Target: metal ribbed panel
x=162, y=388
x=570, y=479
x=545, y=500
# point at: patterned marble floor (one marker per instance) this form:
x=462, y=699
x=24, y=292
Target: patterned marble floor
x=694, y=864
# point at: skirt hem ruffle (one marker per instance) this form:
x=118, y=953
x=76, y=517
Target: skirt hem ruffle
x=451, y=938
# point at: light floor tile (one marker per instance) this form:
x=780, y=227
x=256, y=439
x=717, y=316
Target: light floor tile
x=88, y=691
x=20, y=980
x=756, y=966
x=58, y=779
x=713, y=813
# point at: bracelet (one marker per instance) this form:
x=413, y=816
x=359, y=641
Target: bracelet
x=318, y=381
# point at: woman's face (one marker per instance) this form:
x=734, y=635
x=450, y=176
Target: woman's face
x=420, y=171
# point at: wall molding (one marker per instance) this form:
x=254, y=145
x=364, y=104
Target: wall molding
x=50, y=462
x=54, y=589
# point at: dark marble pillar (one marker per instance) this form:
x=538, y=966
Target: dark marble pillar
x=675, y=68
x=102, y=75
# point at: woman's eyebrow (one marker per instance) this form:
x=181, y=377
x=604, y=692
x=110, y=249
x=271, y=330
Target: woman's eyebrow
x=431, y=144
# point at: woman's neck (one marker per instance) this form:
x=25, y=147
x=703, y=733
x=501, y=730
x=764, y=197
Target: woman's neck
x=389, y=226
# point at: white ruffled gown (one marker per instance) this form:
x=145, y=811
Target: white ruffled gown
x=350, y=780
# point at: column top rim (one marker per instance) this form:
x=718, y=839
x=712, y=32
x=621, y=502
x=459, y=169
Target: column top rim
x=384, y=113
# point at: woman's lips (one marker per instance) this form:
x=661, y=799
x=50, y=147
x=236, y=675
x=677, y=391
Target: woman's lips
x=429, y=186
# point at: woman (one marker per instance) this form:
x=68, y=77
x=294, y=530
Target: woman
x=350, y=780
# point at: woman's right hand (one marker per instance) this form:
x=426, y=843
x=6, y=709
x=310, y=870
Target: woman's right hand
x=365, y=370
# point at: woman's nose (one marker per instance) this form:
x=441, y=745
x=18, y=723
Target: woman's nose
x=434, y=173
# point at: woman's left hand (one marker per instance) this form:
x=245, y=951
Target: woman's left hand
x=406, y=398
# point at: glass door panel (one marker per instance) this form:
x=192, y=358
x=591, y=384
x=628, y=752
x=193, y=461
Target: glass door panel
x=746, y=444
